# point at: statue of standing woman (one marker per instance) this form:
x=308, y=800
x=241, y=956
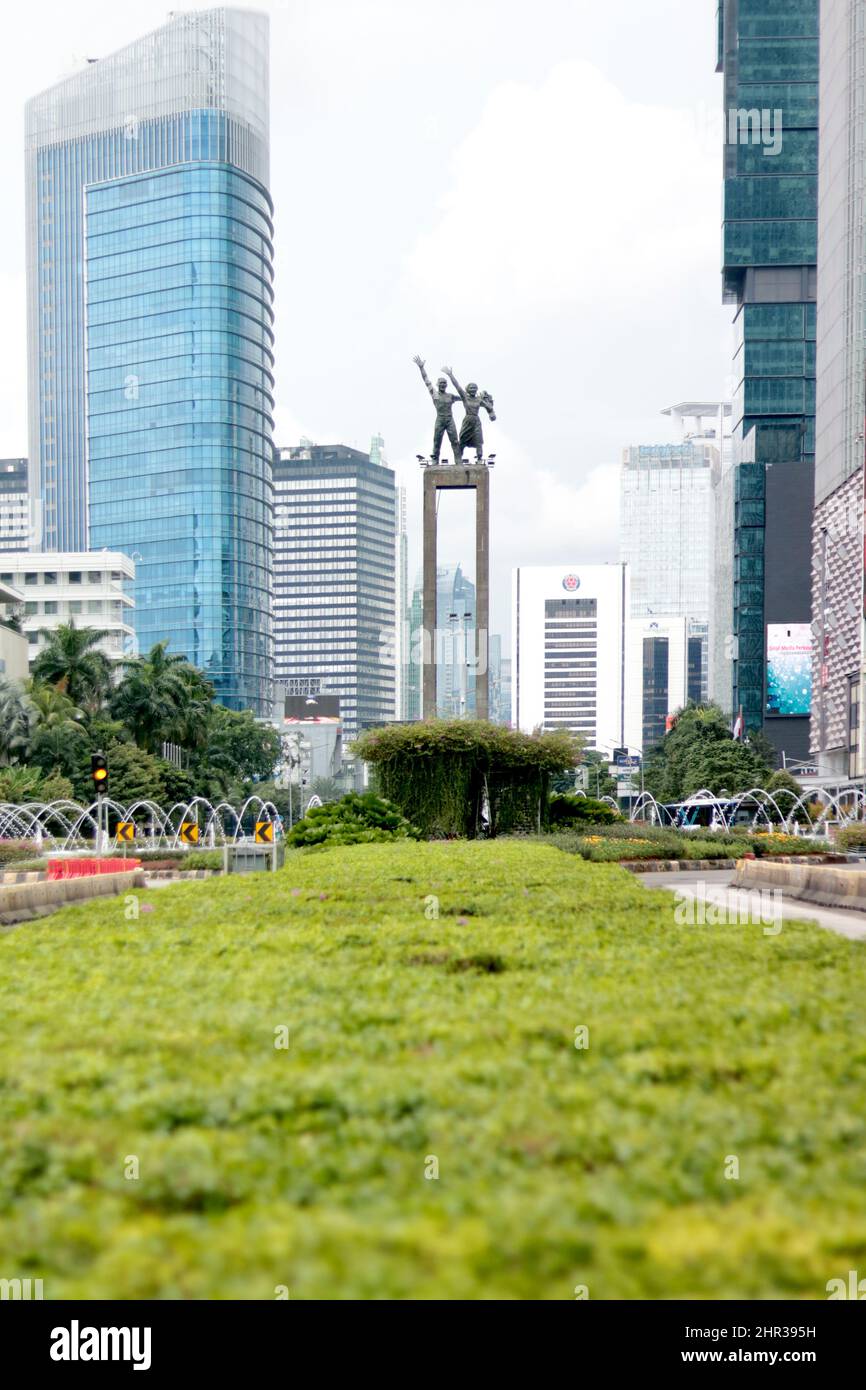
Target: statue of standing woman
x=471, y=433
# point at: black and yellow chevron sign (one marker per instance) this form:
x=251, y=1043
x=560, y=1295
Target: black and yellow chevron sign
x=264, y=832
x=189, y=832
x=125, y=830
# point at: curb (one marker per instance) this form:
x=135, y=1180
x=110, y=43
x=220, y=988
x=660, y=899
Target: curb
x=30, y=876
x=674, y=866
x=22, y=901
x=824, y=886
x=173, y=875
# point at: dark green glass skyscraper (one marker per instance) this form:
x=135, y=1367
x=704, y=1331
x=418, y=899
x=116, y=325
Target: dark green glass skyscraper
x=768, y=53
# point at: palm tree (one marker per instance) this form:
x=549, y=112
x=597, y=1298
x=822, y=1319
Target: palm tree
x=17, y=722
x=53, y=706
x=72, y=661
x=160, y=699
x=58, y=742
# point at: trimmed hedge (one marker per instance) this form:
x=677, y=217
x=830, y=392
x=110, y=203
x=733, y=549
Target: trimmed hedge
x=458, y=778
x=852, y=837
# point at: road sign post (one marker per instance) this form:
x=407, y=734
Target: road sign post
x=265, y=836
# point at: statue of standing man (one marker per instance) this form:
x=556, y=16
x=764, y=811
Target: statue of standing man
x=444, y=402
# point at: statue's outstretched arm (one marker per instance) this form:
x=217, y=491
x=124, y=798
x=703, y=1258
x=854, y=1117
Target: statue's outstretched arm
x=455, y=383
x=419, y=363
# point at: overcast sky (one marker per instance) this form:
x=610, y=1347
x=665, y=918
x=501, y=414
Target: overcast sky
x=529, y=192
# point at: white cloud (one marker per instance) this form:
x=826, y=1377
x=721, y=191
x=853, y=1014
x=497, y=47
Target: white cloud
x=564, y=195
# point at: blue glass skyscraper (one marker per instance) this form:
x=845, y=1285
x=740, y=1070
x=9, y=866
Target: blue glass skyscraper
x=151, y=333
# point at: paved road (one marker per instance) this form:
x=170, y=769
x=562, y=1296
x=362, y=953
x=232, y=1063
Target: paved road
x=716, y=886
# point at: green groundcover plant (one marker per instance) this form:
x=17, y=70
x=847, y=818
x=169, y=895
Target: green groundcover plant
x=605, y=843
x=410, y=1070
x=354, y=819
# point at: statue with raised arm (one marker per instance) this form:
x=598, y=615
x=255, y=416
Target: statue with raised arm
x=471, y=433
x=444, y=401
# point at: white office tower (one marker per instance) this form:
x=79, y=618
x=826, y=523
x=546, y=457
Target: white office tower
x=569, y=626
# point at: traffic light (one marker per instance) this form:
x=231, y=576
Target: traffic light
x=99, y=772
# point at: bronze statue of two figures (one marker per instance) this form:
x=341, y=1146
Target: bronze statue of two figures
x=474, y=401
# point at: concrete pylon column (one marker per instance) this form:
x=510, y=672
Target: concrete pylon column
x=476, y=477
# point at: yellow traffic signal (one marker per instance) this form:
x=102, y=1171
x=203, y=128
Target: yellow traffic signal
x=99, y=772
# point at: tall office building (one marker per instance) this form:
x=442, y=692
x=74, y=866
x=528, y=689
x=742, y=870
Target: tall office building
x=455, y=632
x=665, y=521
x=415, y=672
x=402, y=697
x=456, y=651
x=16, y=530
x=334, y=580
x=666, y=538
x=500, y=682
x=663, y=672
x=150, y=322
x=837, y=732
x=768, y=53
x=569, y=626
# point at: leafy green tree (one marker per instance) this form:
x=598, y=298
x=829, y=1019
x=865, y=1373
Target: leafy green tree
x=27, y=783
x=162, y=699
x=238, y=749
x=699, y=752
x=18, y=721
x=177, y=783
x=60, y=739
x=72, y=661
x=326, y=789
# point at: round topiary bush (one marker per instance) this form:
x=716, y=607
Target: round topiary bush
x=565, y=810
x=355, y=819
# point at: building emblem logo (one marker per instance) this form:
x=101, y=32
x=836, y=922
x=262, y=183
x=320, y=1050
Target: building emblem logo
x=571, y=583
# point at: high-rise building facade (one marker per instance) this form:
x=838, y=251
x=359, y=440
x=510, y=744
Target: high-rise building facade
x=16, y=530
x=149, y=261
x=90, y=590
x=768, y=54
x=666, y=531
x=661, y=677
x=334, y=580
x=837, y=732
x=456, y=643
x=500, y=682
x=665, y=536
x=569, y=639
x=402, y=695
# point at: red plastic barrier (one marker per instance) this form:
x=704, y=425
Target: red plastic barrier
x=81, y=868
